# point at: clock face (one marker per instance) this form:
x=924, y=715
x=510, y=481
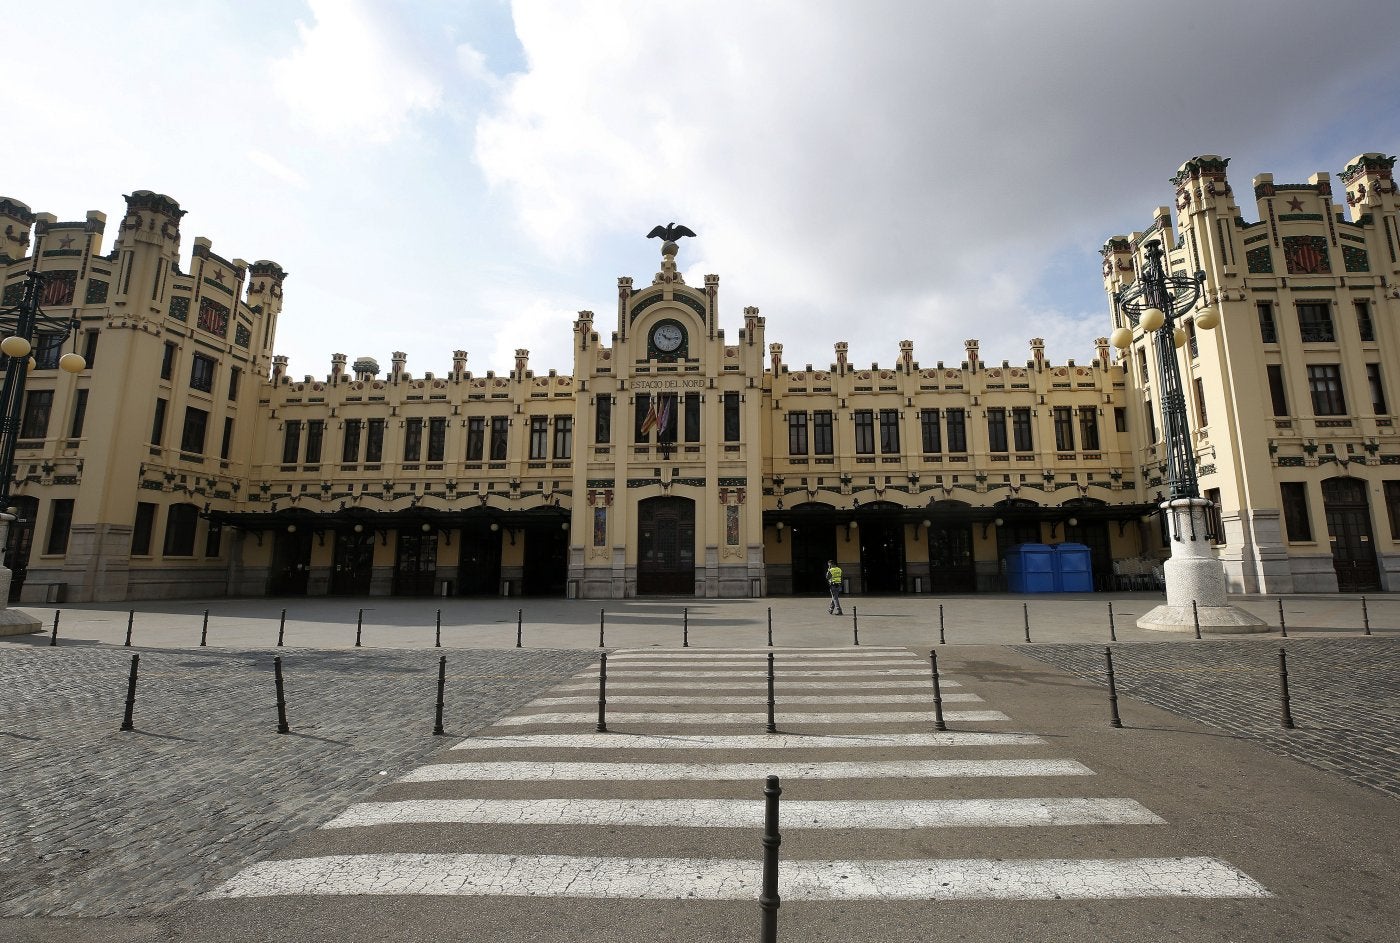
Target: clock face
x=667, y=337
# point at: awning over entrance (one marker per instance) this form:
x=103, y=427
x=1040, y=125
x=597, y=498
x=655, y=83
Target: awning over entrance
x=943, y=513
x=409, y=519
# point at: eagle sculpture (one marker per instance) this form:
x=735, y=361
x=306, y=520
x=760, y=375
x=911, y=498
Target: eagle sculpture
x=669, y=233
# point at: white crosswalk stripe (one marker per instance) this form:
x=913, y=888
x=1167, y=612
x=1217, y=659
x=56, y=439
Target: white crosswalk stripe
x=790, y=717
x=696, y=700
x=682, y=772
x=622, y=740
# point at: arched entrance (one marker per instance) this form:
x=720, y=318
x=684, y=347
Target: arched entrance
x=813, y=543
x=1092, y=534
x=881, y=534
x=415, y=563
x=666, y=547
x=479, y=564
x=354, y=563
x=291, y=562
x=547, y=560
x=1349, y=531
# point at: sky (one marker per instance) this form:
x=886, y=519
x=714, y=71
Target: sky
x=438, y=175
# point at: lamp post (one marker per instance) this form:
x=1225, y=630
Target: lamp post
x=18, y=326
x=1192, y=574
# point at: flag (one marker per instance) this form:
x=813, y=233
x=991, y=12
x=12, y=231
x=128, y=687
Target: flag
x=663, y=422
x=651, y=419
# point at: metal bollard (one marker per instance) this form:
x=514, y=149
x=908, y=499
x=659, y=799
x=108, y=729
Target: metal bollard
x=603, y=694
x=938, y=723
x=1112, y=633
x=768, y=901
x=772, y=701
x=1282, y=626
x=855, y=626
x=359, y=625
x=131, y=693
x=519, y=625
x=131, y=617
x=442, y=683
x=1286, y=714
x=1026, y=618
x=1196, y=618
x=281, y=696
x=770, y=626
x=941, y=639
x=1115, y=720
x=281, y=628
x=685, y=627
x=1365, y=616
x=54, y=639
x=204, y=630
x=437, y=638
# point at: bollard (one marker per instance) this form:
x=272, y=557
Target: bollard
x=204, y=630
x=772, y=702
x=603, y=694
x=519, y=625
x=600, y=628
x=1115, y=720
x=768, y=901
x=437, y=639
x=54, y=640
x=442, y=683
x=1112, y=633
x=941, y=639
x=685, y=627
x=281, y=628
x=770, y=626
x=1286, y=717
x=131, y=617
x=938, y=723
x=1196, y=618
x=131, y=693
x=855, y=626
x=281, y=696
x=359, y=624
x=1026, y=618
x=1282, y=626
x=1365, y=616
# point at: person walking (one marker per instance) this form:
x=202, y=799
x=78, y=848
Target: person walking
x=833, y=580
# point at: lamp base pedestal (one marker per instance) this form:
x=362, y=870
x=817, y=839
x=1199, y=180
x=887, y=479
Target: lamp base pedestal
x=1193, y=574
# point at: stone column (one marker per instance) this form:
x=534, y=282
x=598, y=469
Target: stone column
x=1194, y=574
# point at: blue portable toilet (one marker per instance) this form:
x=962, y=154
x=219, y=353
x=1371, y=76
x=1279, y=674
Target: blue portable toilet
x=1074, y=569
x=1030, y=568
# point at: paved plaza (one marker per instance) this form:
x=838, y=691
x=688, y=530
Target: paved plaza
x=1201, y=819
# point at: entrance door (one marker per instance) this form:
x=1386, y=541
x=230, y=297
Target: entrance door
x=479, y=568
x=18, y=542
x=950, y=563
x=666, y=547
x=546, y=561
x=1094, y=535
x=291, y=563
x=415, y=565
x=881, y=556
x=1349, y=531
x=812, y=545
x=354, y=563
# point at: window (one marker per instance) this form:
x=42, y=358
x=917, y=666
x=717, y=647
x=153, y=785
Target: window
x=1201, y=420
x=315, y=434
x=1021, y=432
x=667, y=417
x=476, y=438
x=731, y=417
x=1373, y=378
x=957, y=429
x=180, y=523
x=1215, y=527
x=37, y=406
x=602, y=420
x=1120, y=419
x=1364, y=325
x=90, y=348
x=865, y=432
x=797, y=433
x=1268, y=330
x=1089, y=428
x=202, y=373
x=60, y=521
x=158, y=423
x=47, y=349
x=1142, y=364
x=437, y=438
x=889, y=431
x=1277, y=391
x=1325, y=384
x=1151, y=418
x=374, y=441
x=1064, y=429
x=563, y=438
x=692, y=417
x=167, y=361
x=1392, y=507
x=929, y=431
x=539, y=438
x=640, y=430
x=1295, y=510
x=291, y=441
x=192, y=436
x=1191, y=336
x=500, y=436
x=234, y=374
x=823, y=441
x=228, y=437
x=1315, y=322
x=141, y=529
x=350, y=447
x=996, y=429
x=75, y=430
x=413, y=440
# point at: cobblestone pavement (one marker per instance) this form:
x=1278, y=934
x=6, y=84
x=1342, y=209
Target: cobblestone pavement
x=1344, y=694
x=95, y=822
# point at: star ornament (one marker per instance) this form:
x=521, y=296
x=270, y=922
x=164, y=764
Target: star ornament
x=1296, y=205
x=66, y=242
x=219, y=275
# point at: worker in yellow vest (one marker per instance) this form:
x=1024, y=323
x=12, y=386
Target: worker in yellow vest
x=833, y=580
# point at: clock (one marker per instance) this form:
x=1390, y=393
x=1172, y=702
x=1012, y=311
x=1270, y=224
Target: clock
x=667, y=337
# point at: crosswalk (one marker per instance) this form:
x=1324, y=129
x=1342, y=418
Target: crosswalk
x=858, y=758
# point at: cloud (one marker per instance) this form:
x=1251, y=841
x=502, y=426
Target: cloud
x=275, y=167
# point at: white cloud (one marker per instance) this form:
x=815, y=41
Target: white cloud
x=275, y=167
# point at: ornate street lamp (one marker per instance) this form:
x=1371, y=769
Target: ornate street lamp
x=1192, y=574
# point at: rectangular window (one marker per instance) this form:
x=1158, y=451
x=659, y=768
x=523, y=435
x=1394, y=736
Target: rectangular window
x=1151, y=418
x=642, y=409
x=1142, y=364
x=797, y=433
x=930, y=432
x=1295, y=510
x=180, y=523
x=889, y=431
x=192, y=436
x=1089, y=428
x=1215, y=527
x=957, y=429
x=142, y=528
x=1120, y=419
x=1064, y=429
x=1325, y=384
x=865, y=432
x=996, y=429
x=1315, y=322
x=1201, y=417
x=823, y=439
x=1277, y=392
x=1022, y=436
x=539, y=438
x=350, y=447
x=500, y=437
x=731, y=417
x=1392, y=507
x=668, y=415
x=47, y=349
x=158, y=423
x=563, y=438
x=602, y=420
x=315, y=434
x=692, y=417
x=1364, y=325
x=1373, y=378
x=60, y=521
x=228, y=437
x=413, y=440
x=374, y=441
x=234, y=374
x=37, y=406
x=167, y=361
x=437, y=438
x=291, y=441
x=1191, y=337
x=202, y=373
x=79, y=414
x=90, y=348
x=1268, y=330
x=476, y=438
